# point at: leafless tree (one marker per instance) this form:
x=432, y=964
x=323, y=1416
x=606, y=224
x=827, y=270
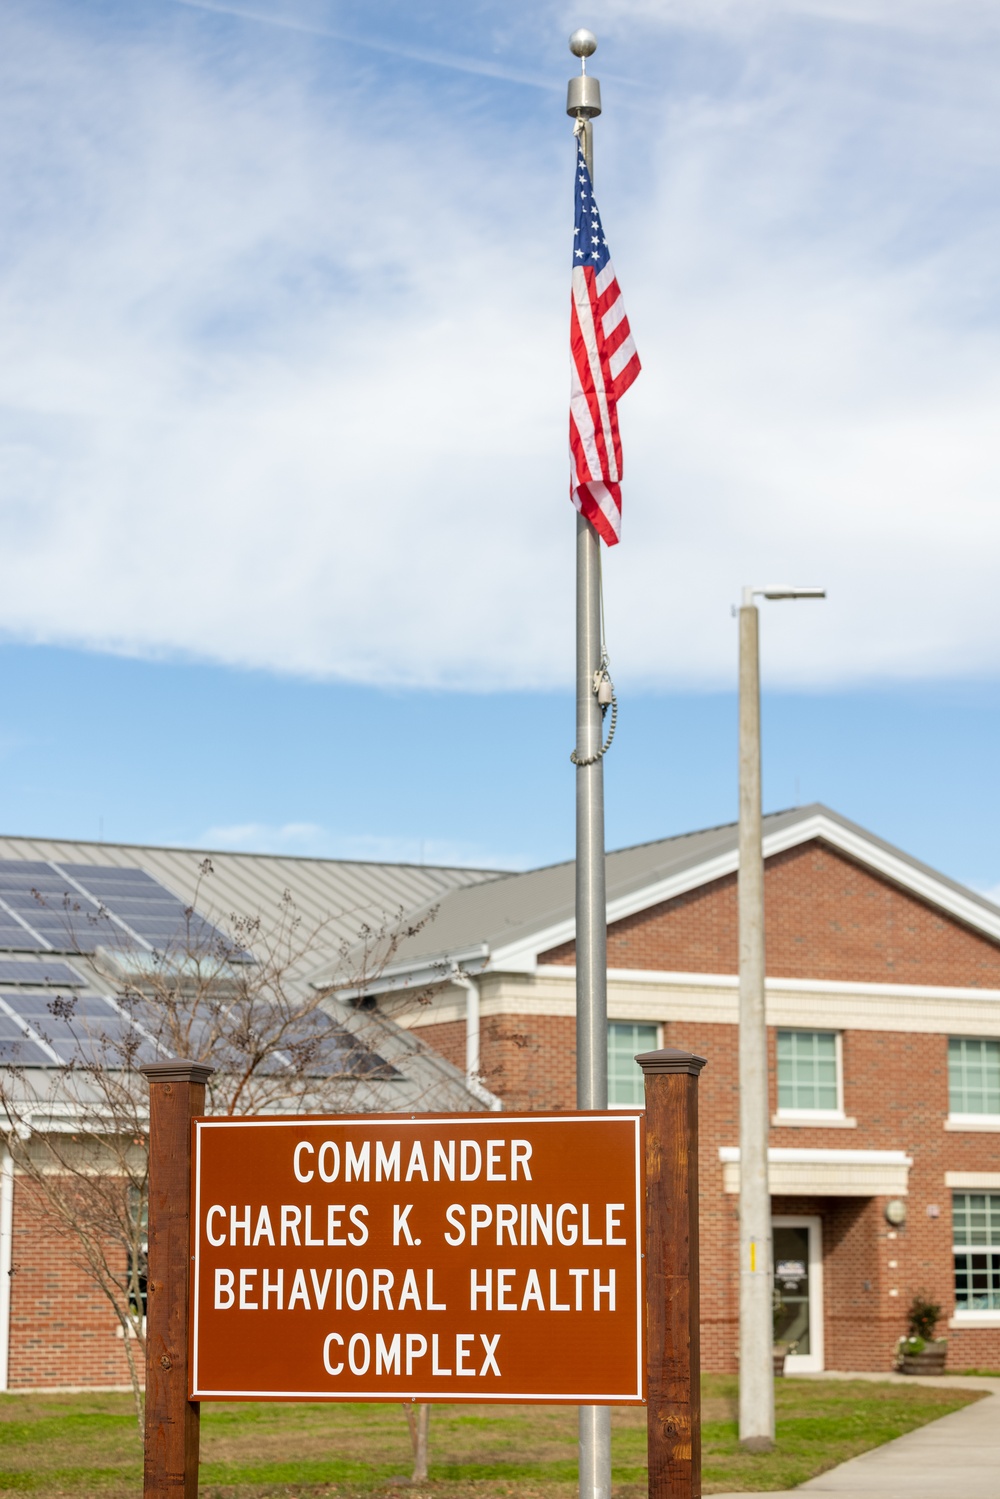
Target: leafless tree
x=239, y=999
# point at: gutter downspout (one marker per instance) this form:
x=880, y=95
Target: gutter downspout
x=6, y=1260
x=472, y=1055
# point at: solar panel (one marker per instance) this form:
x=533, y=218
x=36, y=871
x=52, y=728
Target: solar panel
x=15, y=938
x=51, y=975
x=80, y=907
x=20, y=1052
x=322, y=1048
x=84, y=1028
x=147, y=908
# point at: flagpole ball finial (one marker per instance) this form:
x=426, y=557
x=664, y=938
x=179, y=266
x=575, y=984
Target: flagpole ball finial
x=583, y=43
x=583, y=100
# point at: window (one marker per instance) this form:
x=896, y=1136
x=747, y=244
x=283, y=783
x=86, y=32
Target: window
x=973, y=1077
x=976, y=1228
x=809, y=1072
x=625, y=1041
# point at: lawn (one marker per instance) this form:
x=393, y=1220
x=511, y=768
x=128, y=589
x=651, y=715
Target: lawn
x=76, y=1445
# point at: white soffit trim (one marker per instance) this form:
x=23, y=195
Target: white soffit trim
x=521, y=957
x=825, y=1173
x=666, y=978
x=972, y=1180
x=802, y=1155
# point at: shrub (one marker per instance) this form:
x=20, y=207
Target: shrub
x=923, y=1317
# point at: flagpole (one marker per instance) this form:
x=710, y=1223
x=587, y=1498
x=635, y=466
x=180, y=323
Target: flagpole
x=584, y=103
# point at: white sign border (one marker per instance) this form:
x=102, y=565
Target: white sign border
x=342, y=1121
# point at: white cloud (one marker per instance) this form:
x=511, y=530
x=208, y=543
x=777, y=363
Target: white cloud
x=282, y=376
x=311, y=839
x=262, y=837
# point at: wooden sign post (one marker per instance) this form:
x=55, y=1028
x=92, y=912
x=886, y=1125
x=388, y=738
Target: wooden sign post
x=176, y=1095
x=458, y=1257
x=673, y=1354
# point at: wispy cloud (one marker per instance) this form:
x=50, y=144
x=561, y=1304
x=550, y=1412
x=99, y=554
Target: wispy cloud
x=289, y=21
x=307, y=838
x=282, y=370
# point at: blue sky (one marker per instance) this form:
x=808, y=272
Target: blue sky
x=286, y=556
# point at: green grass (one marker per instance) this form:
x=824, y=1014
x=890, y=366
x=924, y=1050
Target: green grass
x=70, y=1446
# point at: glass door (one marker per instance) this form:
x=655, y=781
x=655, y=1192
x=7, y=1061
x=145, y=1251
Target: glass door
x=798, y=1292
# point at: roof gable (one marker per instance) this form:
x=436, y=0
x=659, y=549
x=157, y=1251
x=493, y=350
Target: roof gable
x=828, y=918
x=506, y=924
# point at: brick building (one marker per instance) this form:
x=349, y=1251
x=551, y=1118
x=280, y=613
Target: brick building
x=883, y=1001
x=77, y=918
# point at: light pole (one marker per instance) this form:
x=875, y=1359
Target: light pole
x=756, y=1276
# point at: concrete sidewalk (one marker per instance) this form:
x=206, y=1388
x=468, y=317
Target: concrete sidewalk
x=956, y=1457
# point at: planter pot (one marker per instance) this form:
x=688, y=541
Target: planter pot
x=780, y=1354
x=930, y=1361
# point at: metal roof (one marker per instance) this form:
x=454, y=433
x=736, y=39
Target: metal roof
x=342, y=892
x=335, y=894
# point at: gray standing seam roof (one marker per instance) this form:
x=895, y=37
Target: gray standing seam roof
x=342, y=892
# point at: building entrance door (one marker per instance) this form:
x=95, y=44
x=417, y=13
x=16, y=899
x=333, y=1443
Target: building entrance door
x=798, y=1292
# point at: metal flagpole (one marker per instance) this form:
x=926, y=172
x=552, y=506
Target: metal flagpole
x=584, y=103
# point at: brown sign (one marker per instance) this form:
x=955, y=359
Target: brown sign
x=418, y=1257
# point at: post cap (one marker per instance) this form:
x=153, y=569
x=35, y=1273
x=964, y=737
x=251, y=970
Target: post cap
x=177, y=1072
x=670, y=1059
x=583, y=43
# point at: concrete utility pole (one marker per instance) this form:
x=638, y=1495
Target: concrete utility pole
x=756, y=1274
x=583, y=102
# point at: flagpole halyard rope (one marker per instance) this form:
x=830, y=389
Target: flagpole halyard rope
x=602, y=675
x=593, y=759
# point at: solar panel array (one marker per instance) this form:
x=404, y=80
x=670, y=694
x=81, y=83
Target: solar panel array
x=41, y=973
x=46, y=1030
x=42, y=1030
x=49, y=907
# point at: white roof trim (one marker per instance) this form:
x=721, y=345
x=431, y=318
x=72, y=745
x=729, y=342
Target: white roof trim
x=422, y=973
x=894, y=868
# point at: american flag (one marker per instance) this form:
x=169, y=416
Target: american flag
x=604, y=364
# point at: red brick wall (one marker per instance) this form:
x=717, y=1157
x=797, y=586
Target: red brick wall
x=528, y=1060
x=62, y=1329
x=826, y=918
x=447, y=1037
x=895, y=1085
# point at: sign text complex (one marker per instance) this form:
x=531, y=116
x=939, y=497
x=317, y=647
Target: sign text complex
x=423, y=1257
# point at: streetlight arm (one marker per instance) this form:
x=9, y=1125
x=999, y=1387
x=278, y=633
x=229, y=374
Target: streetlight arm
x=780, y=591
